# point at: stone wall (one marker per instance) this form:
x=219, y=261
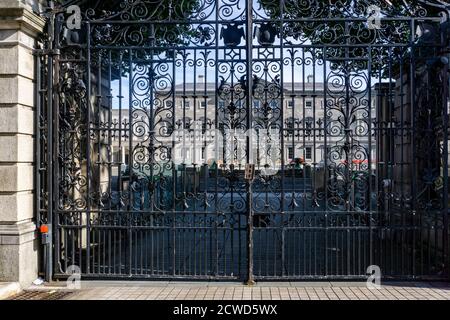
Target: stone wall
x=19, y=28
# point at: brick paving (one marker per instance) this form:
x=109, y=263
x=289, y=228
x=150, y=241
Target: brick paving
x=91, y=290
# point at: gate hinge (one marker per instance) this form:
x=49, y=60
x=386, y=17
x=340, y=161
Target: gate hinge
x=47, y=52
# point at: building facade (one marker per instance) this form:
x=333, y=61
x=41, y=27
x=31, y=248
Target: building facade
x=297, y=118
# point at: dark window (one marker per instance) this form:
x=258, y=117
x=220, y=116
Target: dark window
x=308, y=153
x=309, y=104
x=117, y=156
x=291, y=153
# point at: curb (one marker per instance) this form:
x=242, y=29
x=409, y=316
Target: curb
x=8, y=289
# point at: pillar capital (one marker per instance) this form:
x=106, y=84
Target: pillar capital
x=22, y=15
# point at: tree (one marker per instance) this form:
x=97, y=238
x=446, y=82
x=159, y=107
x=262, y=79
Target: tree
x=324, y=29
x=323, y=23
x=345, y=23
x=132, y=34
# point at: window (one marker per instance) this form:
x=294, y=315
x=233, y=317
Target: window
x=185, y=153
x=308, y=153
x=290, y=104
x=291, y=153
x=117, y=156
x=221, y=104
x=290, y=123
x=203, y=104
x=256, y=104
x=203, y=153
x=309, y=104
x=274, y=104
x=187, y=105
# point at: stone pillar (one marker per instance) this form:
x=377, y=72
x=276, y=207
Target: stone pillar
x=19, y=28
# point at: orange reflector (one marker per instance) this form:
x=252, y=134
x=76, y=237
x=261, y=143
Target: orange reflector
x=44, y=228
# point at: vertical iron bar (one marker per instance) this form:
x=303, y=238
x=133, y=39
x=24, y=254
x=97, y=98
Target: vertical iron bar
x=152, y=127
x=88, y=154
x=413, y=138
x=55, y=142
x=99, y=129
x=402, y=172
x=445, y=155
x=369, y=162
x=216, y=151
x=391, y=165
x=249, y=102
x=325, y=146
x=283, y=230
x=49, y=249
x=37, y=148
x=120, y=163
x=110, y=157
x=130, y=162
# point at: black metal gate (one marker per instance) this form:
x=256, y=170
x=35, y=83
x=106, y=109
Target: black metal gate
x=240, y=139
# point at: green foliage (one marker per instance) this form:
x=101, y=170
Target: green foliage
x=344, y=23
x=319, y=26
x=164, y=34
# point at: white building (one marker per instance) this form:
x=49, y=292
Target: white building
x=201, y=107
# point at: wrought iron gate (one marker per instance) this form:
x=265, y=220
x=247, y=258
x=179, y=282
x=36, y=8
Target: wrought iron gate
x=243, y=139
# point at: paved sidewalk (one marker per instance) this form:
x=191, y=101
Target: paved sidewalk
x=124, y=290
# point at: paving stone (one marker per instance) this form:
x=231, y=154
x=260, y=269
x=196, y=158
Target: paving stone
x=265, y=291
